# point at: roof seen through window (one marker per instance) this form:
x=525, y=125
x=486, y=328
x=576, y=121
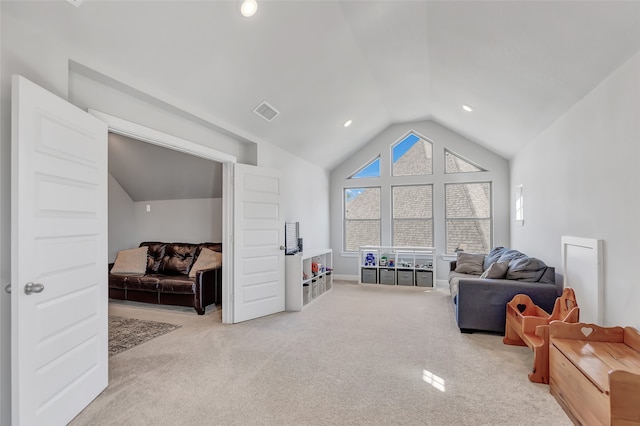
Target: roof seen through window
x=403, y=146
x=370, y=170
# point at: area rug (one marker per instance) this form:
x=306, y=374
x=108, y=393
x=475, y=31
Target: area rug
x=125, y=333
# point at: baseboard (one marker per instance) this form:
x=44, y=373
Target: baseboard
x=442, y=284
x=345, y=277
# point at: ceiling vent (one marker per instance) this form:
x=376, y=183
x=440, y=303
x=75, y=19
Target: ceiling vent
x=266, y=111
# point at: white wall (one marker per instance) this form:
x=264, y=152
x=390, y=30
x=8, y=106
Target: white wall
x=497, y=172
x=307, y=194
x=581, y=179
x=122, y=226
x=187, y=221
x=5, y=249
x=46, y=61
x=109, y=97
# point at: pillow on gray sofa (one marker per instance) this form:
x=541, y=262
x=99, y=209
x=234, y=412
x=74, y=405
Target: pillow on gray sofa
x=527, y=269
x=469, y=263
x=497, y=270
x=511, y=255
x=493, y=256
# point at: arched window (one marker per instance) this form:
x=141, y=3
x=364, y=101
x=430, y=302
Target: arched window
x=453, y=163
x=370, y=170
x=398, y=209
x=412, y=156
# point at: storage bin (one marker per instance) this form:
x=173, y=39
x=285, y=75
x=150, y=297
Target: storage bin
x=369, y=276
x=387, y=276
x=405, y=277
x=424, y=278
x=314, y=289
x=306, y=293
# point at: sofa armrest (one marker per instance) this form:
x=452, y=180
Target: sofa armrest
x=210, y=283
x=481, y=304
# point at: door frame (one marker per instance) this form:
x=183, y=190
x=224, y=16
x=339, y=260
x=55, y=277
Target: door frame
x=128, y=128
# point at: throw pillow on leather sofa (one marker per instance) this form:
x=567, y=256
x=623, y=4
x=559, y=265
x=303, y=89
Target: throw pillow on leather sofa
x=183, y=274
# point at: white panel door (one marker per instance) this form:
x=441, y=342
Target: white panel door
x=59, y=251
x=258, y=236
x=583, y=272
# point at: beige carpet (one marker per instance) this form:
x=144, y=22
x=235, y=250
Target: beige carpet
x=125, y=333
x=358, y=355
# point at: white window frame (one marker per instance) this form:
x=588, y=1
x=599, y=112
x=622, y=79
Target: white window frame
x=397, y=141
x=393, y=218
x=344, y=217
x=519, y=205
x=446, y=218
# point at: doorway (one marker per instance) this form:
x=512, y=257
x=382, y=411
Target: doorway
x=160, y=194
x=59, y=167
x=135, y=131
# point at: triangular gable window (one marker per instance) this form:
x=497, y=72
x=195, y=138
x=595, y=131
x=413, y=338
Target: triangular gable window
x=370, y=170
x=456, y=164
x=412, y=156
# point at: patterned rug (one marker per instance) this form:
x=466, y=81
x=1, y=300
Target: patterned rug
x=125, y=333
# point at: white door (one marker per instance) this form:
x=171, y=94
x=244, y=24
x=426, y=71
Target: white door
x=58, y=257
x=258, y=274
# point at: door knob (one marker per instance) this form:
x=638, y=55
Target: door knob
x=281, y=247
x=7, y=288
x=33, y=288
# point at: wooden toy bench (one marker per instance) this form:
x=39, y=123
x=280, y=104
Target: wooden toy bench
x=595, y=373
x=528, y=324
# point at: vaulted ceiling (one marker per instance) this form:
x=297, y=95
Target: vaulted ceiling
x=149, y=172
x=519, y=64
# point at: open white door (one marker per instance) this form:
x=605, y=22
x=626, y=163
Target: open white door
x=258, y=274
x=59, y=268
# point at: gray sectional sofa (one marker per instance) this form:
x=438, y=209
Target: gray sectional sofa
x=482, y=285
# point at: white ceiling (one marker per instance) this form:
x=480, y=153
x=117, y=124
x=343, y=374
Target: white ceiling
x=149, y=172
x=519, y=64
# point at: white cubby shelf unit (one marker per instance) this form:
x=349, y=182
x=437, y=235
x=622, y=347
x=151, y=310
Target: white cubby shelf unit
x=393, y=265
x=308, y=275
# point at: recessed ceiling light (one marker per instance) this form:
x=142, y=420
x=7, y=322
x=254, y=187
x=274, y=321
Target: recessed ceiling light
x=248, y=8
x=348, y=123
x=467, y=108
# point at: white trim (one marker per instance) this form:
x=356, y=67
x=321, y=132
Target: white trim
x=349, y=254
x=442, y=284
x=592, y=249
x=343, y=277
x=519, y=205
x=406, y=135
x=227, y=244
x=490, y=218
x=146, y=134
x=155, y=137
x=446, y=150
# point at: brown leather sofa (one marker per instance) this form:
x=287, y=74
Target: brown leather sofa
x=166, y=280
